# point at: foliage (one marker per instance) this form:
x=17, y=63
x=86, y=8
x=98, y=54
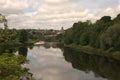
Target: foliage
x=103, y=34
x=59, y=37
x=112, y=37
x=68, y=37
x=10, y=66
x=3, y=20
x=84, y=39
x=23, y=36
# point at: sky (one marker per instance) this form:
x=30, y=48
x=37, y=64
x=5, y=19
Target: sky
x=54, y=14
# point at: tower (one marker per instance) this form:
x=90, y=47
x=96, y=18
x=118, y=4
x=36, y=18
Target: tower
x=62, y=30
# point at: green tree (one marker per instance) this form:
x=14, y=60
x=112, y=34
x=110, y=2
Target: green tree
x=117, y=19
x=84, y=39
x=10, y=67
x=104, y=33
x=23, y=36
x=68, y=36
x=112, y=37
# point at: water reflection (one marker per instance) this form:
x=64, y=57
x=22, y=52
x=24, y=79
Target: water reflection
x=101, y=66
x=7, y=49
x=31, y=47
x=23, y=50
x=53, y=62
x=49, y=64
x=53, y=45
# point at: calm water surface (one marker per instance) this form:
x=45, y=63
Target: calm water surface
x=52, y=62
x=49, y=64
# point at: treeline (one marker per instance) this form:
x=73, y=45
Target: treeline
x=103, y=34
x=8, y=36
x=26, y=36
x=15, y=37
x=22, y=36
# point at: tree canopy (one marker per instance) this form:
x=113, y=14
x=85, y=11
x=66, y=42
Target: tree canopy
x=104, y=33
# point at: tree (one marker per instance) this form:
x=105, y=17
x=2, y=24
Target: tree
x=6, y=35
x=23, y=36
x=112, y=37
x=68, y=36
x=104, y=33
x=84, y=39
x=11, y=69
x=3, y=20
x=117, y=19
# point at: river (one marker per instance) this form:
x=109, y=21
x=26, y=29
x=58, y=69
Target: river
x=49, y=62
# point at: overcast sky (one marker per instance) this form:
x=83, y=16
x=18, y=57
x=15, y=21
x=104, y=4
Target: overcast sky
x=53, y=14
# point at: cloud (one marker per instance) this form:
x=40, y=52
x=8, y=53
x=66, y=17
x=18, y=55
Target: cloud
x=49, y=64
x=14, y=6
x=46, y=14
x=55, y=1
x=109, y=11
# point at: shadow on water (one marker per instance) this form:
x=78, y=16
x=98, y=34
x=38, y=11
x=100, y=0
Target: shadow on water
x=7, y=49
x=47, y=45
x=23, y=51
x=100, y=66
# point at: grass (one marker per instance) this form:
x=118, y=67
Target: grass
x=95, y=51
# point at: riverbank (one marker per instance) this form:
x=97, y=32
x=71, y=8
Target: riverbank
x=94, y=51
x=16, y=44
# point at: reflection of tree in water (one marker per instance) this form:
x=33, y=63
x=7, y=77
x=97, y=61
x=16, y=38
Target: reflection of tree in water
x=31, y=47
x=7, y=49
x=53, y=45
x=47, y=46
x=23, y=51
x=101, y=66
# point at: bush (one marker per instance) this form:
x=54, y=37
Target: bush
x=10, y=67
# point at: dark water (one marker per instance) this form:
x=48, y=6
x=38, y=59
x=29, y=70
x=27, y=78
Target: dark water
x=53, y=63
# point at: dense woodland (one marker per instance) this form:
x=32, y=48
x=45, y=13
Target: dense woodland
x=103, y=34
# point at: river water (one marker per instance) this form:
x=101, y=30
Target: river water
x=57, y=63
